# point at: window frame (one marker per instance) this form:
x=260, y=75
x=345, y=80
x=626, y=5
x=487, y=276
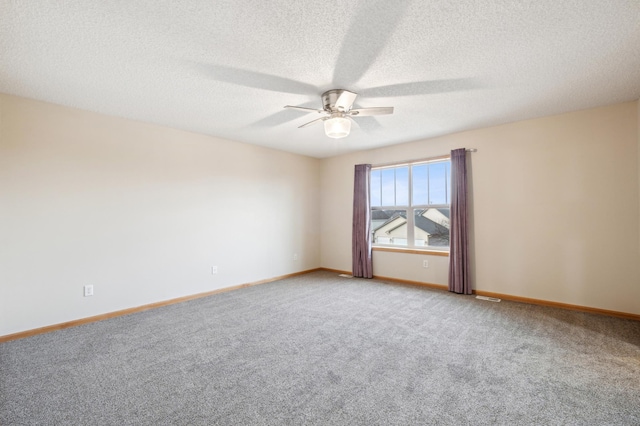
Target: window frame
x=411, y=208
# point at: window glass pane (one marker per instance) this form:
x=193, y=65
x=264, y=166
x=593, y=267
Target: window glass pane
x=448, y=175
x=402, y=186
x=389, y=227
x=388, y=187
x=437, y=183
x=431, y=227
x=391, y=204
x=375, y=188
x=419, y=184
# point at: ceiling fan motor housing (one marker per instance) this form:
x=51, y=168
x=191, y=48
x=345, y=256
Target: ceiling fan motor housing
x=330, y=97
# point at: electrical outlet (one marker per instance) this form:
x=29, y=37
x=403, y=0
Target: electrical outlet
x=425, y=263
x=214, y=270
x=88, y=290
x=295, y=256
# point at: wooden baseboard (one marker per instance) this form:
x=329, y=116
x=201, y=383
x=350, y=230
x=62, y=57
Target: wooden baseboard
x=60, y=326
x=409, y=282
x=392, y=280
x=337, y=271
x=540, y=302
x=81, y=321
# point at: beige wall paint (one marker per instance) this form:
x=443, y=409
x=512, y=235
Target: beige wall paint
x=142, y=212
x=139, y=211
x=555, y=208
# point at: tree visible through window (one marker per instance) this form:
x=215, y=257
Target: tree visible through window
x=410, y=204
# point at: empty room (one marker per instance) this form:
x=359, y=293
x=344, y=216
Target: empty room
x=331, y=213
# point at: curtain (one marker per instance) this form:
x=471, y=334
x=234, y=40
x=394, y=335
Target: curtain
x=361, y=244
x=459, y=237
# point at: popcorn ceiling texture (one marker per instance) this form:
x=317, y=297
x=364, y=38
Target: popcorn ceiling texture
x=226, y=68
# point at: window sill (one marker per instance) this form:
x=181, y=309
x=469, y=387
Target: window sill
x=412, y=251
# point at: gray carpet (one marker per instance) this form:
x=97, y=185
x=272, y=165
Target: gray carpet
x=320, y=349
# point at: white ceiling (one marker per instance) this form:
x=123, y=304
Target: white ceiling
x=227, y=68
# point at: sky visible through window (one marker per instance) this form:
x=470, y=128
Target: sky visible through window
x=430, y=185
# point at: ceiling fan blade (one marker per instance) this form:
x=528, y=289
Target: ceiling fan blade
x=305, y=109
x=312, y=122
x=368, y=125
x=345, y=100
x=257, y=80
x=276, y=119
x=421, y=88
x=364, y=112
x=372, y=25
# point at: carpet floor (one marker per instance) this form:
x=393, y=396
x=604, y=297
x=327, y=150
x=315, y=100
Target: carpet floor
x=322, y=349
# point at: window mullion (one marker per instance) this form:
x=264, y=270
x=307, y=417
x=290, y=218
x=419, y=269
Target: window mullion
x=410, y=227
x=447, y=198
x=381, y=203
x=395, y=186
x=428, y=188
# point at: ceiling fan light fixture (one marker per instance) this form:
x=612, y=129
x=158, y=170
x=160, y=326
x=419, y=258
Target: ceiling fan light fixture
x=337, y=112
x=337, y=126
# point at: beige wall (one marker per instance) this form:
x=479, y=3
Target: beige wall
x=555, y=208
x=142, y=212
x=139, y=211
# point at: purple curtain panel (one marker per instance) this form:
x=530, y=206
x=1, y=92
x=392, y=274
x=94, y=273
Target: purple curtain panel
x=459, y=244
x=361, y=247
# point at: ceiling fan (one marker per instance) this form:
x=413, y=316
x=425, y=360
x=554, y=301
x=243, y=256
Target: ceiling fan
x=366, y=44
x=338, y=112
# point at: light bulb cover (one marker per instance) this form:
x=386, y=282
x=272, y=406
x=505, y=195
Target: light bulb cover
x=338, y=126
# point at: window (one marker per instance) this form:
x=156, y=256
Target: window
x=410, y=204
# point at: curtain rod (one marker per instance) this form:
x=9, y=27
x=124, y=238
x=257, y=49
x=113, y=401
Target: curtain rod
x=420, y=160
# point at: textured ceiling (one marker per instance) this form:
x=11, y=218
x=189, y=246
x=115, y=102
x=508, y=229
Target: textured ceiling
x=227, y=68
